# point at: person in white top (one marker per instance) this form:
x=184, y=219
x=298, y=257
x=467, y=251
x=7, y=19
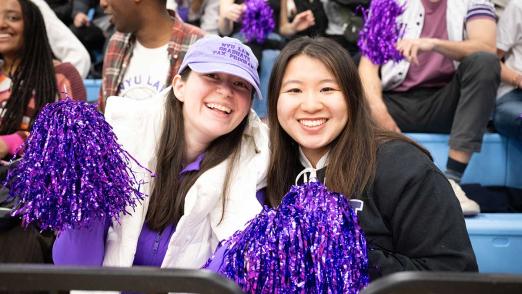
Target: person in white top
x=66, y=47
x=209, y=154
x=508, y=114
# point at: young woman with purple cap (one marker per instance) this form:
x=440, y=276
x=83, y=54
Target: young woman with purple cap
x=208, y=152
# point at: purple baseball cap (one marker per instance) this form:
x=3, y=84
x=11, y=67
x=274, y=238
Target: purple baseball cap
x=216, y=54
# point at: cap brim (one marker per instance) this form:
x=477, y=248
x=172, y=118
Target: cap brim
x=226, y=68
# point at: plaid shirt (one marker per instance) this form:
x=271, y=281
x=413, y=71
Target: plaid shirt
x=119, y=54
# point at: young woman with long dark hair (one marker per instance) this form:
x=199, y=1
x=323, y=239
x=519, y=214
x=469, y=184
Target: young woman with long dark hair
x=320, y=125
x=29, y=79
x=208, y=152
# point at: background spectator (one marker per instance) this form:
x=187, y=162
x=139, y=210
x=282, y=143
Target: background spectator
x=65, y=46
x=145, y=53
x=307, y=19
x=508, y=115
x=29, y=80
x=446, y=83
x=335, y=19
x=62, y=9
x=201, y=13
x=92, y=27
x=230, y=16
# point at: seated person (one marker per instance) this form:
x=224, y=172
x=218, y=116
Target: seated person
x=29, y=79
x=201, y=13
x=445, y=84
x=145, y=52
x=93, y=28
x=66, y=47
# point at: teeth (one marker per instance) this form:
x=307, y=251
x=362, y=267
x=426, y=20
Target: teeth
x=219, y=107
x=312, y=123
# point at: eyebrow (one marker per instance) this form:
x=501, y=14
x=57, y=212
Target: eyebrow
x=300, y=82
x=12, y=11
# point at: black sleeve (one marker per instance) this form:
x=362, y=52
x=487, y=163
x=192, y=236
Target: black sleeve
x=414, y=219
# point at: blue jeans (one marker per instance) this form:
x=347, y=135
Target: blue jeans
x=508, y=115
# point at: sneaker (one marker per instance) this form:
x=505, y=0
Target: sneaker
x=468, y=206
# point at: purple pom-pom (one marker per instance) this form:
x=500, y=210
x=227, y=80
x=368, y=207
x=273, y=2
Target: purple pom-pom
x=258, y=21
x=72, y=171
x=311, y=243
x=379, y=36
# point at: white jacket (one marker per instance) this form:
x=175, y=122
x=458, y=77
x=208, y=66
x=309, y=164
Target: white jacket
x=393, y=74
x=138, y=126
x=64, y=44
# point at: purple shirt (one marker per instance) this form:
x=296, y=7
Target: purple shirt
x=434, y=69
x=87, y=246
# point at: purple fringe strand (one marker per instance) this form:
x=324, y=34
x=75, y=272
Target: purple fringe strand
x=379, y=36
x=311, y=243
x=72, y=171
x=258, y=21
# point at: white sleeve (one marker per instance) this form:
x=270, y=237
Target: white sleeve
x=64, y=44
x=210, y=17
x=508, y=29
x=172, y=5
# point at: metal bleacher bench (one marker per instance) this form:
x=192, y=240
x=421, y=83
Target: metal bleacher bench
x=93, y=89
x=52, y=279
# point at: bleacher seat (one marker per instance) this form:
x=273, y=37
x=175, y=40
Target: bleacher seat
x=498, y=164
x=497, y=240
x=445, y=283
x=93, y=89
x=496, y=237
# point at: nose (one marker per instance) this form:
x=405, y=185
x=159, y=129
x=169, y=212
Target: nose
x=310, y=102
x=104, y=4
x=3, y=23
x=225, y=88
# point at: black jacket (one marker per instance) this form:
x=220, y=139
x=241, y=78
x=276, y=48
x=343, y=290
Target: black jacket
x=411, y=217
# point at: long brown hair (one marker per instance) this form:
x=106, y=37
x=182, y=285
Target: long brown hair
x=167, y=199
x=352, y=155
x=34, y=77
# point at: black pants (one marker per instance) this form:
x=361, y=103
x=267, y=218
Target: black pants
x=19, y=244
x=462, y=108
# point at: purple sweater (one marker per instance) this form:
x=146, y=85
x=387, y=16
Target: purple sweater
x=86, y=246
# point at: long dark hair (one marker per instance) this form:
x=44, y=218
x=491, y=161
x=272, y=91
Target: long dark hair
x=352, y=155
x=34, y=76
x=167, y=199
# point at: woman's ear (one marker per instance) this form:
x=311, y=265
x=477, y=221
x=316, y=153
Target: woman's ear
x=178, y=86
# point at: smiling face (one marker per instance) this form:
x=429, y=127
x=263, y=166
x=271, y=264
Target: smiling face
x=11, y=28
x=311, y=106
x=214, y=104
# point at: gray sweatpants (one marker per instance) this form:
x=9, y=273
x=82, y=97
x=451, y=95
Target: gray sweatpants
x=462, y=108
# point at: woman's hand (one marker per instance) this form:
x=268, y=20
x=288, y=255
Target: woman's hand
x=303, y=21
x=81, y=19
x=234, y=12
